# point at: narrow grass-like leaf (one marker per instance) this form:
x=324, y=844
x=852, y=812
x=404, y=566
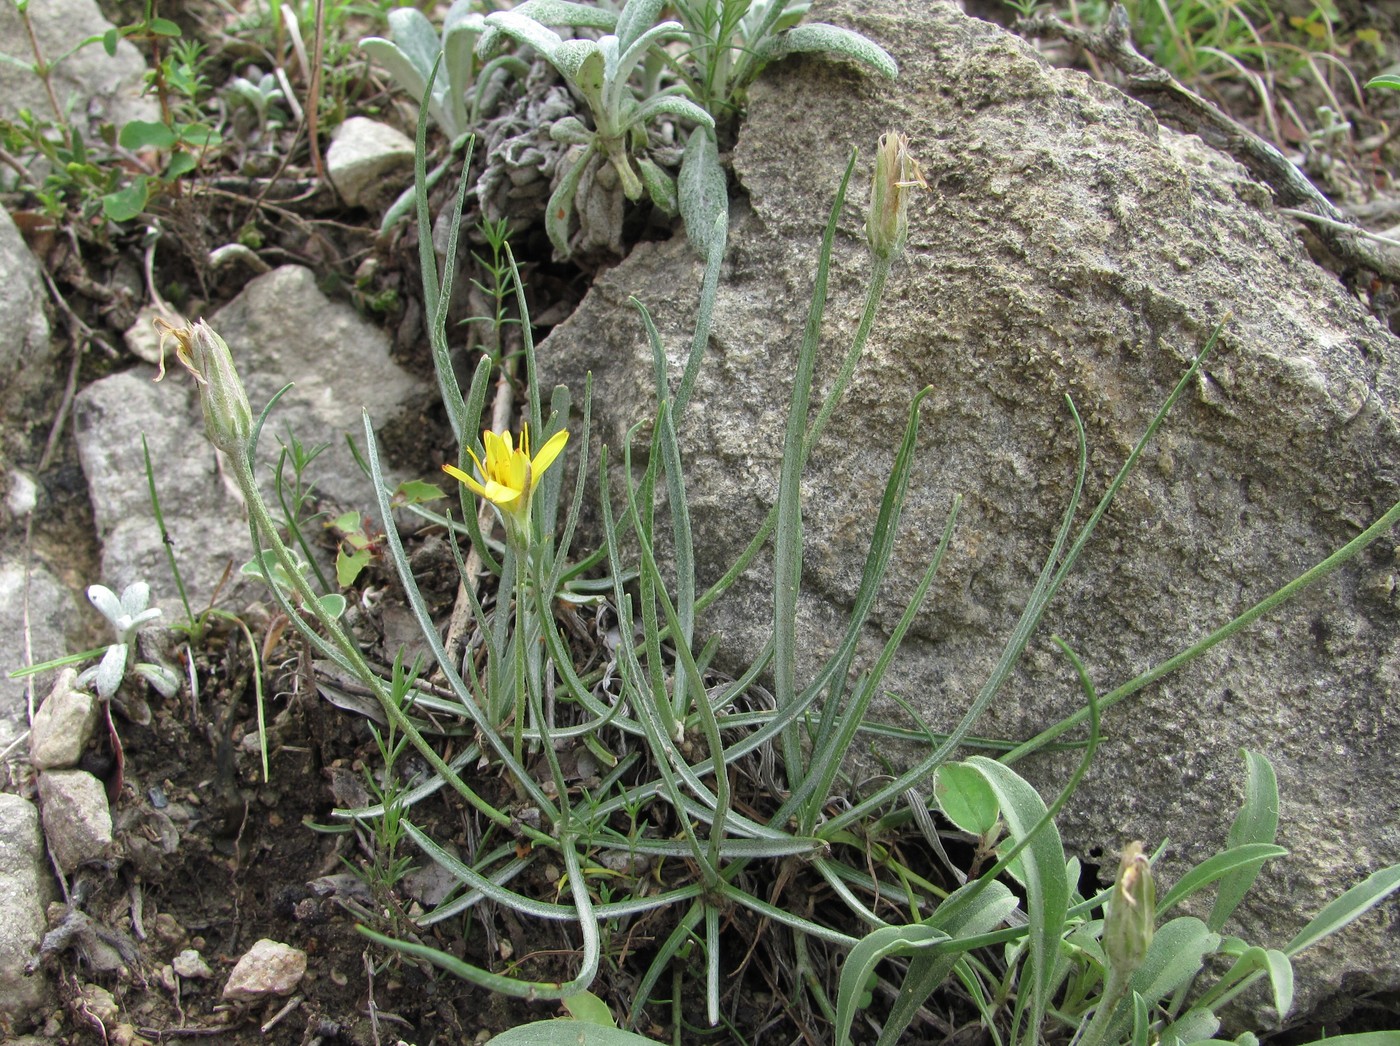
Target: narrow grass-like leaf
x=787, y=554
x=1347, y=908
x=1247, y=858
x=860, y=965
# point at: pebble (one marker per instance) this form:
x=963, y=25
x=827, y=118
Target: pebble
x=268, y=968
x=24, y=882
x=363, y=153
x=77, y=821
x=191, y=965
x=63, y=726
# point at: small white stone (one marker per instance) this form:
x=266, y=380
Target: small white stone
x=362, y=153
x=268, y=968
x=63, y=725
x=191, y=965
x=142, y=337
x=99, y=1003
x=23, y=495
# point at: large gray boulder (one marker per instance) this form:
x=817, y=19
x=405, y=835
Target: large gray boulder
x=1069, y=245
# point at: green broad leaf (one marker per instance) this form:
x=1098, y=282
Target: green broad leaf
x=146, y=134
x=416, y=38
x=567, y=1033
x=125, y=204
x=589, y=1009
x=1393, y=82
x=861, y=963
x=109, y=42
x=1142, y=1023
x=1245, y=859
x=181, y=163
x=1192, y=1026
x=637, y=17
x=198, y=136
x=660, y=186
x=334, y=604
x=819, y=36
x=417, y=491
x=347, y=522
x=965, y=798
x=163, y=27
x=1361, y=1038
x=967, y=913
x=348, y=567
x=703, y=193
x=1360, y=899
x=560, y=210
x=581, y=62
x=1273, y=962
x=524, y=29
x=672, y=105
x=1043, y=863
x=1175, y=956
x=1256, y=822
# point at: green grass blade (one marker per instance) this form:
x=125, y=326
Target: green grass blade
x=1245, y=860
x=1347, y=908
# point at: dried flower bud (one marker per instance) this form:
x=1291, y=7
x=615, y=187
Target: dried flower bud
x=896, y=172
x=228, y=419
x=1132, y=912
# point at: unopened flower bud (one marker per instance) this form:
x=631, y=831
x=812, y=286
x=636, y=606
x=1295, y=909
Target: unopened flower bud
x=896, y=172
x=228, y=419
x=1132, y=913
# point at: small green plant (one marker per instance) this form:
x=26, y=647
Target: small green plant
x=465, y=88
x=728, y=45
x=127, y=615
x=675, y=747
x=600, y=71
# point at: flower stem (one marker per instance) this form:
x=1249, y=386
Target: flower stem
x=265, y=536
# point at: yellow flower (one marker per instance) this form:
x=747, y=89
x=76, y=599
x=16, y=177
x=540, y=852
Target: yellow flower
x=509, y=475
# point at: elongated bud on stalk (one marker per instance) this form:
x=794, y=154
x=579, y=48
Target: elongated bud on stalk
x=896, y=172
x=228, y=419
x=1132, y=913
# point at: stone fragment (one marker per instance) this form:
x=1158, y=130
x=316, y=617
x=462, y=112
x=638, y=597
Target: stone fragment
x=53, y=615
x=63, y=725
x=267, y=968
x=99, y=1004
x=26, y=354
x=91, y=86
x=24, y=887
x=280, y=329
x=1069, y=244
x=363, y=153
x=191, y=965
x=77, y=820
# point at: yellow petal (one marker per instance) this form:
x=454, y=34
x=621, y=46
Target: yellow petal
x=470, y=481
x=547, y=454
x=499, y=495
